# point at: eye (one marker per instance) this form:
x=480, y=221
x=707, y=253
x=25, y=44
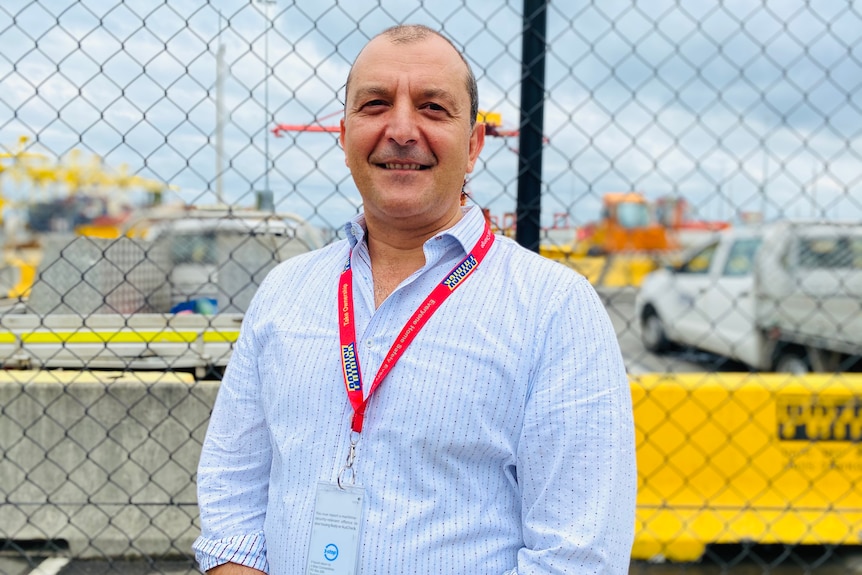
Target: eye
x=373, y=104
x=435, y=107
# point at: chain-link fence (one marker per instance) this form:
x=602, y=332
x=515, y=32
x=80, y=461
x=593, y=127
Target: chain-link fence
x=699, y=162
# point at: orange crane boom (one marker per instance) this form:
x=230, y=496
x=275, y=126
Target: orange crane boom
x=492, y=120
x=490, y=130
x=279, y=128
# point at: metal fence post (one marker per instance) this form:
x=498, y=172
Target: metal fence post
x=529, y=206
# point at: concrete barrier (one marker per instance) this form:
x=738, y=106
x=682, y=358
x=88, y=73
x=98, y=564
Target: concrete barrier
x=103, y=462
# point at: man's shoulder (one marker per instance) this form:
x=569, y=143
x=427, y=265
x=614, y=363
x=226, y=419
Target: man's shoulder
x=537, y=281
x=333, y=254
x=299, y=280
x=527, y=262
x=310, y=267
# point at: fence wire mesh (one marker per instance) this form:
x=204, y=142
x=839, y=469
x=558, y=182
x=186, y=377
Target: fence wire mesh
x=701, y=165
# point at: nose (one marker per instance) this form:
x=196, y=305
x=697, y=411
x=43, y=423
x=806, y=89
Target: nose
x=402, y=128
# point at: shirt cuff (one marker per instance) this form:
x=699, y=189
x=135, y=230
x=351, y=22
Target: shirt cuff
x=248, y=550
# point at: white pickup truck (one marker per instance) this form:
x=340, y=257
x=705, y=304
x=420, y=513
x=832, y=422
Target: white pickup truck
x=785, y=296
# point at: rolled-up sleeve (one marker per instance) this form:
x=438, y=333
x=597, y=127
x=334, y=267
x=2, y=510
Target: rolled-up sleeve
x=234, y=468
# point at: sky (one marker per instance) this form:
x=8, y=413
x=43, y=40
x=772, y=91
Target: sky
x=737, y=106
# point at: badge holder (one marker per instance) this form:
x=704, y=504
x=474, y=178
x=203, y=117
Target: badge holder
x=335, y=533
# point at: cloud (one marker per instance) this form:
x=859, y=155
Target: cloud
x=690, y=99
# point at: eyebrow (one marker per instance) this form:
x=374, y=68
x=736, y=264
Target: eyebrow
x=439, y=93
x=364, y=92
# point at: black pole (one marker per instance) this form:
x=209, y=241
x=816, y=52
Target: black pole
x=530, y=140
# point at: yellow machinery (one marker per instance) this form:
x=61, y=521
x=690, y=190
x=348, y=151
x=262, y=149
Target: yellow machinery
x=626, y=225
x=46, y=177
x=746, y=457
x=621, y=247
x=73, y=175
x=18, y=272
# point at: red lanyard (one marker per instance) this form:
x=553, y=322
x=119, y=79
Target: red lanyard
x=349, y=359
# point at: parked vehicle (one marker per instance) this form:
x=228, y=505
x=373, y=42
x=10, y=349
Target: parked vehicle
x=218, y=256
x=785, y=296
x=169, y=293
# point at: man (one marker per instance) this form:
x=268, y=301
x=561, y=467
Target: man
x=422, y=397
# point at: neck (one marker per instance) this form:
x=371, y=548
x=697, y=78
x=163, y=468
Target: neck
x=397, y=252
x=390, y=242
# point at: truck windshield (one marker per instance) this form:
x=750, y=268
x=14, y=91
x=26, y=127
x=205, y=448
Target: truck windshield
x=740, y=261
x=631, y=215
x=199, y=248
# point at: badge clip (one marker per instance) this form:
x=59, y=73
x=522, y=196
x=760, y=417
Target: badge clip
x=348, y=473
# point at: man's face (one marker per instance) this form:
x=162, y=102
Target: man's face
x=406, y=131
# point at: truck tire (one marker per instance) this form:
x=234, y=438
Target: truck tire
x=653, y=334
x=792, y=362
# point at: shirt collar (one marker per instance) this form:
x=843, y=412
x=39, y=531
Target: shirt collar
x=354, y=229
x=466, y=231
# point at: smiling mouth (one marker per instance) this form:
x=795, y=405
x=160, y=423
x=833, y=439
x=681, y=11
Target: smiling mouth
x=409, y=167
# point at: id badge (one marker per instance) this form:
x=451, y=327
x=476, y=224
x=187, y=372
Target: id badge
x=335, y=535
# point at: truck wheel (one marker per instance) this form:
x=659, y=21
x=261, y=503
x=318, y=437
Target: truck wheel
x=791, y=362
x=652, y=333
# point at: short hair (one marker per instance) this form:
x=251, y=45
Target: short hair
x=409, y=33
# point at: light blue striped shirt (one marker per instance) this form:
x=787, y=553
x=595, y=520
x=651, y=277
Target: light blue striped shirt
x=502, y=440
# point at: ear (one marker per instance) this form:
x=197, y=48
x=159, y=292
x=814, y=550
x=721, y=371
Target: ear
x=341, y=141
x=477, y=142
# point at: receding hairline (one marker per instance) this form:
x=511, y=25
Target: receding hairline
x=407, y=33
x=412, y=33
